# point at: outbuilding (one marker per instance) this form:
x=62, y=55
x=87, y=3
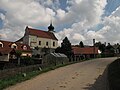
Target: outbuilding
x=55, y=59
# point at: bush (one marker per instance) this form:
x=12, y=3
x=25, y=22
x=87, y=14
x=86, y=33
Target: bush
x=114, y=75
x=27, y=61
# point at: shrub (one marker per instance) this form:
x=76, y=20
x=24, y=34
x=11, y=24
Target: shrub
x=114, y=75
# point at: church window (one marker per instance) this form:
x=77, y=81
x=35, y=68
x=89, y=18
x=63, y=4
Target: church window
x=46, y=43
x=53, y=43
x=39, y=42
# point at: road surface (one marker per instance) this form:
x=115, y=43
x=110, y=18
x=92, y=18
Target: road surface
x=88, y=75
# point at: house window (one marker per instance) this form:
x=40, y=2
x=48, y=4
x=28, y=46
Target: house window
x=39, y=42
x=1, y=45
x=14, y=46
x=0, y=54
x=53, y=43
x=24, y=47
x=46, y=43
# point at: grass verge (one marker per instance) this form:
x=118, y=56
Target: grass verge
x=4, y=83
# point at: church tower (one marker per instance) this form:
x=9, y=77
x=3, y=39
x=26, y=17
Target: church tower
x=51, y=28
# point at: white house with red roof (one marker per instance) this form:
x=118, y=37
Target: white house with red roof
x=8, y=50
x=39, y=39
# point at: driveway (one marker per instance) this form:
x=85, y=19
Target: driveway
x=88, y=75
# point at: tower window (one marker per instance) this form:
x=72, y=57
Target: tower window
x=46, y=43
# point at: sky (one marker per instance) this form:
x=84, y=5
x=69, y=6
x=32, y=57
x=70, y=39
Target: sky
x=79, y=20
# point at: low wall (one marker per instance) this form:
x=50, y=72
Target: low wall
x=46, y=63
x=11, y=72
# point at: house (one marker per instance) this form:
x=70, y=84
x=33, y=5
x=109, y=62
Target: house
x=9, y=49
x=40, y=41
x=85, y=52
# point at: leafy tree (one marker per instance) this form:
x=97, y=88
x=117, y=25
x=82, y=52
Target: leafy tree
x=97, y=44
x=46, y=50
x=118, y=47
x=81, y=44
x=18, y=54
x=66, y=47
x=37, y=48
x=110, y=48
x=58, y=50
x=100, y=46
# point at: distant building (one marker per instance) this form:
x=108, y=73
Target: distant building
x=85, y=52
x=40, y=41
x=8, y=50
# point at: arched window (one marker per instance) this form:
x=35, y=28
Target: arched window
x=1, y=44
x=24, y=47
x=14, y=46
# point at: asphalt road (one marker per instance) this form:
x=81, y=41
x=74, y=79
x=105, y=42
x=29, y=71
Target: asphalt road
x=88, y=75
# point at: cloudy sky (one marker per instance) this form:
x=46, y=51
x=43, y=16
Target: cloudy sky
x=79, y=20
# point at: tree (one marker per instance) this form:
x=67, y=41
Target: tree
x=58, y=50
x=116, y=48
x=66, y=47
x=100, y=46
x=110, y=48
x=97, y=44
x=18, y=54
x=81, y=44
x=46, y=50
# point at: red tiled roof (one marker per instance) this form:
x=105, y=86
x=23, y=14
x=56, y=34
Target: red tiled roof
x=41, y=33
x=5, y=51
x=20, y=40
x=7, y=47
x=20, y=47
x=84, y=50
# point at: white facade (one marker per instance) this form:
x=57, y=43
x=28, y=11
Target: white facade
x=35, y=41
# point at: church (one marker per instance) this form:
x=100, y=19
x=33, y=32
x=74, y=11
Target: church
x=40, y=41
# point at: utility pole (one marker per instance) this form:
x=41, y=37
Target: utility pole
x=0, y=37
x=94, y=47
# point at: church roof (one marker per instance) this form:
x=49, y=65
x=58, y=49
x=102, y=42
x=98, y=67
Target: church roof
x=41, y=33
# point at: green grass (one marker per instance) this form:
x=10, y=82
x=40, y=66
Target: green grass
x=16, y=79
x=4, y=83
